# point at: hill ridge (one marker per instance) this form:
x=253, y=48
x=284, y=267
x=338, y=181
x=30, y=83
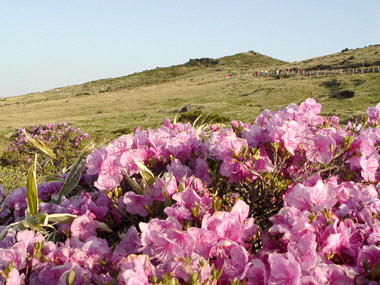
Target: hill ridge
x=107, y=107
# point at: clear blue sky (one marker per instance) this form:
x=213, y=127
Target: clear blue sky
x=48, y=44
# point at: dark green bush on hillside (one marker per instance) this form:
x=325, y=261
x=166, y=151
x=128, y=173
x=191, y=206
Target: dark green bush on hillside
x=191, y=116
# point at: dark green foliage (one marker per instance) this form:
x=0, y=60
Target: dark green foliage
x=343, y=94
x=358, y=81
x=82, y=94
x=191, y=116
x=332, y=83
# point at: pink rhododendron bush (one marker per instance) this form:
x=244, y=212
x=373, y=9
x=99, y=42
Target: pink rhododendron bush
x=292, y=198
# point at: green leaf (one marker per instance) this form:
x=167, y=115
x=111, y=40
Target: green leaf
x=31, y=190
x=103, y=227
x=133, y=183
x=30, y=222
x=3, y=233
x=60, y=218
x=40, y=145
x=197, y=119
x=168, y=201
x=145, y=173
x=40, y=218
x=75, y=174
x=176, y=118
x=71, y=180
x=49, y=178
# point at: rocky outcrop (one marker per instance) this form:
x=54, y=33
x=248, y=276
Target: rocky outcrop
x=204, y=60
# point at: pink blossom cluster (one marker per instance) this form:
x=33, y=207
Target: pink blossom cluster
x=190, y=205
x=60, y=137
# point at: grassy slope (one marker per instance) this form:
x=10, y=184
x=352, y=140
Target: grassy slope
x=145, y=99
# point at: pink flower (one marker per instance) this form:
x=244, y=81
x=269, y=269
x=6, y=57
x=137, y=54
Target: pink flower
x=255, y=136
x=240, y=211
x=163, y=248
x=222, y=144
x=225, y=224
x=26, y=239
x=128, y=245
x=342, y=238
x=235, y=171
x=284, y=269
x=237, y=265
x=201, y=170
x=110, y=167
x=178, y=169
x=203, y=240
x=94, y=160
x=17, y=254
x=316, y=198
x=135, y=204
x=82, y=275
x=304, y=251
x=136, y=270
x=257, y=273
x=295, y=134
x=187, y=197
x=291, y=222
x=120, y=145
x=331, y=274
x=182, y=238
x=320, y=148
x=263, y=118
x=373, y=114
x=96, y=248
x=308, y=280
x=107, y=182
x=167, y=183
x=250, y=229
x=370, y=165
x=17, y=199
x=15, y=278
x=309, y=110
x=370, y=255
x=374, y=236
x=50, y=274
x=83, y=227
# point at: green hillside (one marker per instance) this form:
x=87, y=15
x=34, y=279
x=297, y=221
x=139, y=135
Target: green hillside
x=108, y=107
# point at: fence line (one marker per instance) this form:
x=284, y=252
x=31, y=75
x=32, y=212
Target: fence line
x=318, y=72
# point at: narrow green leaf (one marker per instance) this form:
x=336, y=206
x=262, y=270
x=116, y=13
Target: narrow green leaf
x=49, y=178
x=60, y=218
x=40, y=145
x=41, y=218
x=168, y=201
x=3, y=233
x=197, y=119
x=201, y=129
x=31, y=189
x=30, y=222
x=145, y=173
x=75, y=174
x=71, y=180
x=133, y=183
x=103, y=227
x=176, y=118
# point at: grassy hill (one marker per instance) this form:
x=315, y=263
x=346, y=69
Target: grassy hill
x=108, y=107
